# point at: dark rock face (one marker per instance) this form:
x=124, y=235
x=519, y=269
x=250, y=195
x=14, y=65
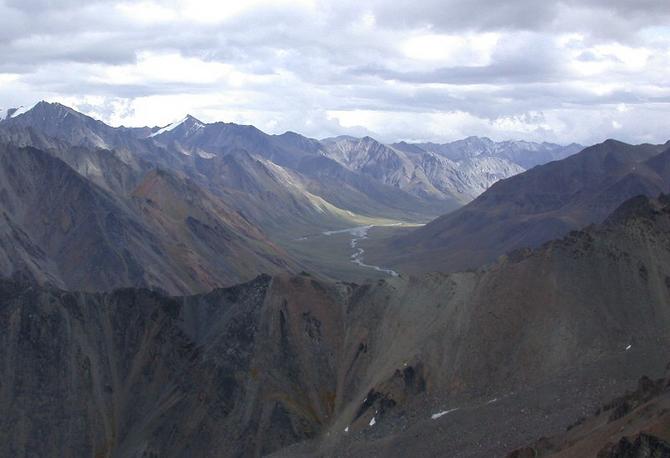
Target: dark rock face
x=133, y=373
x=644, y=446
x=635, y=425
x=646, y=390
x=127, y=373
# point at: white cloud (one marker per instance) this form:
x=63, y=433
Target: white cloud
x=421, y=69
x=451, y=50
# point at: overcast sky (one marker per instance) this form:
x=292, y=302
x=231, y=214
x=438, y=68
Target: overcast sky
x=572, y=70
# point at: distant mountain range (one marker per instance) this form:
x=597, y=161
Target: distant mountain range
x=455, y=172
x=236, y=192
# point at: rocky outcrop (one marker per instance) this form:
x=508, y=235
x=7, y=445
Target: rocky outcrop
x=635, y=425
x=643, y=446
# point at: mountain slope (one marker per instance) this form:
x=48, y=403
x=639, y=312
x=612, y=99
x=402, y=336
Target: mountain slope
x=110, y=157
x=364, y=177
x=117, y=158
x=525, y=154
x=636, y=424
x=418, y=171
x=533, y=207
x=348, y=370
x=61, y=229
x=211, y=243
x=53, y=120
x=303, y=159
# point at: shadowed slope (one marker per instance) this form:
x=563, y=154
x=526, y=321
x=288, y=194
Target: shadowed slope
x=531, y=208
x=61, y=229
x=356, y=370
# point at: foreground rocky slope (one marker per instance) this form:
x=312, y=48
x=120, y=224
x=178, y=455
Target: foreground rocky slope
x=340, y=369
x=635, y=425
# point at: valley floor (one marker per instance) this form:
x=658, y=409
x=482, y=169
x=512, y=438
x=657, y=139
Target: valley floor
x=343, y=254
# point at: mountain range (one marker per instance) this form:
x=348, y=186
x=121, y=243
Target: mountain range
x=533, y=207
x=258, y=192
x=207, y=289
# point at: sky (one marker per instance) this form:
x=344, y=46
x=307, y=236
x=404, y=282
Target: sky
x=416, y=70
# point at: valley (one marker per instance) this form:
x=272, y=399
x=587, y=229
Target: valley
x=331, y=248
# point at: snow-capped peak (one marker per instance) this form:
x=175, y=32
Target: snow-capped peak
x=196, y=125
x=15, y=112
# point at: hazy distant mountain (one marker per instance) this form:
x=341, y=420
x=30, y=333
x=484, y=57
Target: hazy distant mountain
x=303, y=159
x=535, y=206
x=525, y=154
x=193, y=147
x=411, y=366
x=420, y=182
x=418, y=171
x=459, y=170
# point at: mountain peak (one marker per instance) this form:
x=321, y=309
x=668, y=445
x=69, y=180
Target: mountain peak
x=44, y=108
x=191, y=123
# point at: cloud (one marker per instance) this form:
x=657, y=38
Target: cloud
x=421, y=69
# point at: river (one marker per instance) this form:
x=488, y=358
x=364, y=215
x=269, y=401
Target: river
x=359, y=233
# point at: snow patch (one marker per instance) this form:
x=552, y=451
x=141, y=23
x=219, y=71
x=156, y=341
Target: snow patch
x=91, y=169
x=22, y=110
x=206, y=155
x=174, y=125
x=435, y=416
